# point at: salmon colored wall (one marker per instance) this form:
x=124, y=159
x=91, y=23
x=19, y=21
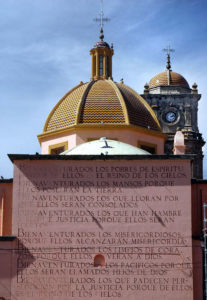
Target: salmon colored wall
x=71, y=139
x=6, y=268
x=197, y=270
x=6, y=194
x=199, y=196
x=131, y=137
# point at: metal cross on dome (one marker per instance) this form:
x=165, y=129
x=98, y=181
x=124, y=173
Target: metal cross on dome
x=168, y=50
x=101, y=20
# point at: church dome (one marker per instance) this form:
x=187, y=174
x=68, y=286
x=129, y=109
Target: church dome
x=101, y=102
x=101, y=107
x=168, y=78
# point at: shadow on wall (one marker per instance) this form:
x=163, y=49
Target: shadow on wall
x=14, y=258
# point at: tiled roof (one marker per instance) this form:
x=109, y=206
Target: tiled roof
x=65, y=112
x=168, y=78
x=101, y=102
x=102, y=105
x=139, y=111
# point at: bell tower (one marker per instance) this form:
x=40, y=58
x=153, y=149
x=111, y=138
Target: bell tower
x=176, y=107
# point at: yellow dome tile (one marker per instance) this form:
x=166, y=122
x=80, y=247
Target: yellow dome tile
x=101, y=102
x=174, y=79
x=139, y=112
x=102, y=105
x=65, y=112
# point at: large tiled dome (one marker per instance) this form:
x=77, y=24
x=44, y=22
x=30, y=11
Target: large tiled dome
x=101, y=102
x=168, y=78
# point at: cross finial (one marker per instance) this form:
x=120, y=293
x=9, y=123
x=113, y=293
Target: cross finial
x=168, y=50
x=101, y=20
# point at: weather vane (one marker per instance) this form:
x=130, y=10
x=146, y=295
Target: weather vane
x=168, y=50
x=101, y=20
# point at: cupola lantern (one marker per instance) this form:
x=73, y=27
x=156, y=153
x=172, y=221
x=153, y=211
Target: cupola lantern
x=101, y=59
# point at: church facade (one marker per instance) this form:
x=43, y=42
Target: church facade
x=109, y=209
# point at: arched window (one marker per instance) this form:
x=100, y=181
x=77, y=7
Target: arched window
x=100, y=65
x=99, y=261
x=94, y=65
x=107, y=65
x=57, y=149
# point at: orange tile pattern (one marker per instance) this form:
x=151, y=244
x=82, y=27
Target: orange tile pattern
x=139, y=114
x=162, y=79
x=100, y=102
x=66, y=111
x=102, y=105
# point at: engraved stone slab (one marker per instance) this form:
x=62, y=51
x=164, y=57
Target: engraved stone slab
x=102, y=229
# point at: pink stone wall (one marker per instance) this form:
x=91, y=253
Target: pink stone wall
x=127, y=136
x=136, y=214
x=6, y=268
x=71, y=139
x=197, y=270
x=6, y=208
x=199, y=197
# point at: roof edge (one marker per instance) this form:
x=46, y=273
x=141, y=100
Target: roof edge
x=14, y=157
x=198, y=181
x=8, y=180
x=7, y=238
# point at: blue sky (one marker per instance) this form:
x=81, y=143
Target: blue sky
x=44, y=52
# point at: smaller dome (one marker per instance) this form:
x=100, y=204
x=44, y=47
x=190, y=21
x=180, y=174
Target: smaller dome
x=168, y=78
x=101, y=44
x=106, y=147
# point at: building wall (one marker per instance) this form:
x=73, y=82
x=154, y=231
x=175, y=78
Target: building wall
x=197, y=270
x=7, y=247
x=34, y=172
x=70, y=214
x=132, y=137
x=199, y=197
x=6, y=207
